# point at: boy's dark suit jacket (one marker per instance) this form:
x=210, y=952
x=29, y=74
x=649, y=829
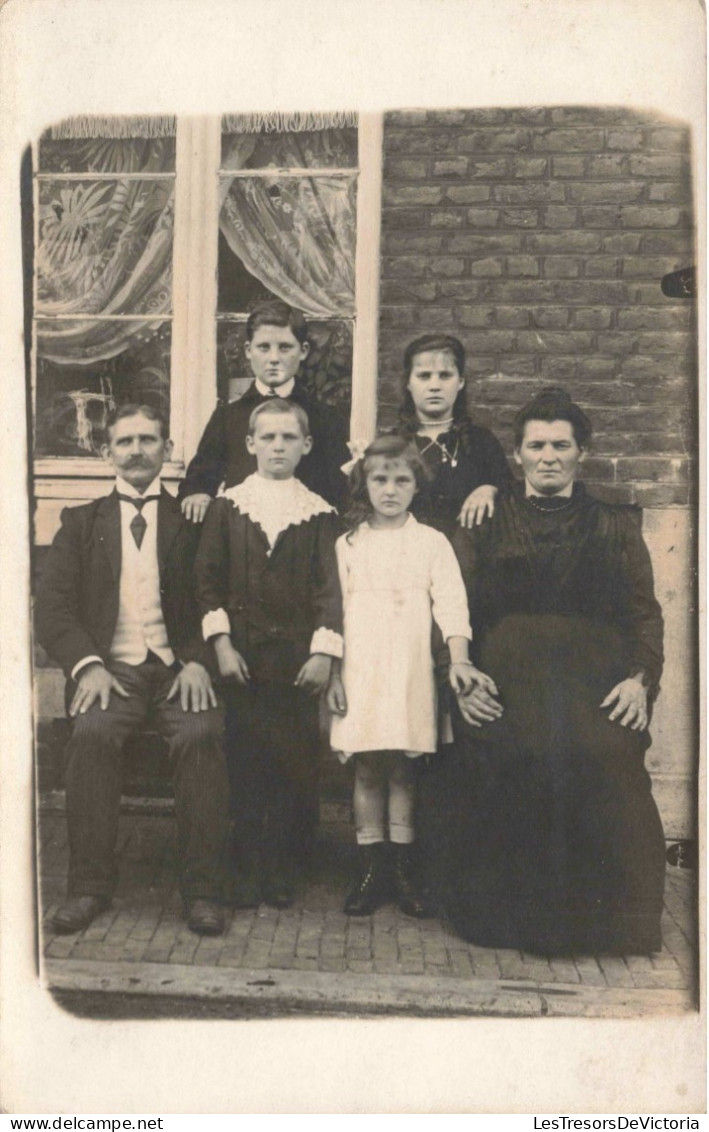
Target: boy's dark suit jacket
x=222, y=457
x=275, y=600
x=76, y=608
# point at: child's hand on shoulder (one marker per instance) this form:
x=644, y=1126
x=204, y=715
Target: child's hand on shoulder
x=479, y=504
x=231, y=663
x=336, y=698
x=315, y=674
x=194, y=507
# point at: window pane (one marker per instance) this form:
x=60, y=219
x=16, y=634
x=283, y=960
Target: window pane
x=237, y=289
x=72, y=400
x=233, y=372
x=105, y=247
x=326, y=372
x=316, y=149
x=106, y=155
x=296, y=235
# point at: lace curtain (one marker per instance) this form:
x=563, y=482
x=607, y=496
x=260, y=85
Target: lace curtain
x=296, y=234
x=105, y=249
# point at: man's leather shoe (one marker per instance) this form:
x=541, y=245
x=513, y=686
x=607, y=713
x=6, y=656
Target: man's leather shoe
x=205, y=917
x=78, y=912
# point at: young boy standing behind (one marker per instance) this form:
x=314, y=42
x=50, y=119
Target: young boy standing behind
x=276, y=344
x=268, y=588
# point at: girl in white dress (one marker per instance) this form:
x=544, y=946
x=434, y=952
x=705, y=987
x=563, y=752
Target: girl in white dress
x=396, y=575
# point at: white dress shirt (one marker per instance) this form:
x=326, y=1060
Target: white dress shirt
x=140, y=625
x=280, y=391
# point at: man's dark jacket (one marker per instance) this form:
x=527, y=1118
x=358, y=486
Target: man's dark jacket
x=76, y=608
x=222, y=457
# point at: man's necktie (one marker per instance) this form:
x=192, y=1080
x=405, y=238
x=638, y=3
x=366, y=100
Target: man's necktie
x=138, y=525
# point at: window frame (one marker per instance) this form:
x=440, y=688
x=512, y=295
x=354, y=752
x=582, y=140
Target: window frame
x=193, y=378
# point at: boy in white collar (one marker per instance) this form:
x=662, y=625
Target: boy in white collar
x=268, y=588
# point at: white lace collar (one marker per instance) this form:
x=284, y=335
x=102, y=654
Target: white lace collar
x=276, y=504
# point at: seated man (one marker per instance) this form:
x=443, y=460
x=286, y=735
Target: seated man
x=115, y=607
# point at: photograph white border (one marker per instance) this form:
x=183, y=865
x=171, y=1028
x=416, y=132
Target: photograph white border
x=64, y=57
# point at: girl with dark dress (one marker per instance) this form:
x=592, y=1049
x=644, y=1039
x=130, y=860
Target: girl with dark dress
x=551, y=839
x=466, y=468
x=465, y=462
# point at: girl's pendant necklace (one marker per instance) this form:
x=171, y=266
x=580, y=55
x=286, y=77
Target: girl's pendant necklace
x=446, y=456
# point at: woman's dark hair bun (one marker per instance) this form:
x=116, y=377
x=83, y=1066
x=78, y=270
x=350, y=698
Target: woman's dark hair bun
x=552, y=403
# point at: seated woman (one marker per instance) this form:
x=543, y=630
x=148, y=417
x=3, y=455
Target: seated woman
x=552, y=841
x=465, y=462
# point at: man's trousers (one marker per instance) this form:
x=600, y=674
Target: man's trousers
x=94, y=777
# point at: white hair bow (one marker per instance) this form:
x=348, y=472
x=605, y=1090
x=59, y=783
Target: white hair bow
x=357, y=449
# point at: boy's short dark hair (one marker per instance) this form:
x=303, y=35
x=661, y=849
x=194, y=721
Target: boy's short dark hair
x=552, y=403
x=280, y=405
x=133, y=409
x=274, y=312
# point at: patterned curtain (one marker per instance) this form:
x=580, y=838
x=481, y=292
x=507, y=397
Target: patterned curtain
x=295, y=234
x=105, y=249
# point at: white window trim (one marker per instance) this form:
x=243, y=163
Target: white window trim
x=194, y=351
x=363, y=416
x=193, y=390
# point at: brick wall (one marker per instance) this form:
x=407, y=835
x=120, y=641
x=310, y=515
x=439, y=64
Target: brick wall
x=540, y=237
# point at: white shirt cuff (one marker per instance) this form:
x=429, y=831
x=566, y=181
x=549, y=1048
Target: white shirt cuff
x=83, y=663
x=214, y=623
x=458, y=631
x=328, y=642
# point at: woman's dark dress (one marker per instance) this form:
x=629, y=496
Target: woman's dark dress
x=551, y=839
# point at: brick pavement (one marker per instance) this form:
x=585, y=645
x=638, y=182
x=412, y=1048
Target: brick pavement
x=388, y=954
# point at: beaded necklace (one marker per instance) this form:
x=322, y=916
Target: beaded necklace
x=549, y=510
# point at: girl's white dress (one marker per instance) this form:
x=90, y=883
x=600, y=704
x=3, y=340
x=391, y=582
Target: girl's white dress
x=393, y=583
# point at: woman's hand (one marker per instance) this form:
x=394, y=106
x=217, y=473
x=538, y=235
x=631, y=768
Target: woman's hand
x=336, y=699
x=630, y=699
x=479, y=705
x=478, y=505
x=231, y=663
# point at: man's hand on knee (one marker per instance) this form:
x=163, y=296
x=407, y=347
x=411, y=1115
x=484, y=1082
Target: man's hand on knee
x=94, y=683
x=194, y=687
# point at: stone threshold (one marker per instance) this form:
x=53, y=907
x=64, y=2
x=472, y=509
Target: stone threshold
x=268, y=991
